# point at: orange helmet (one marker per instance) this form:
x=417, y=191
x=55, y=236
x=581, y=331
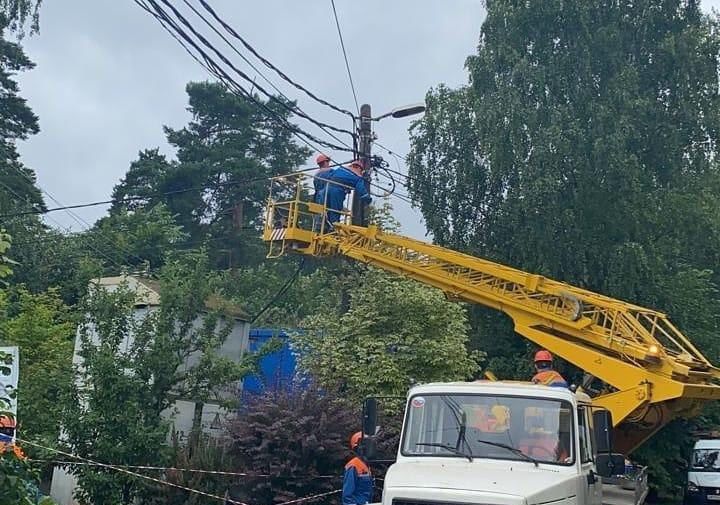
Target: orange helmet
x=355, y=440
x=357, y=166
x=543, y=355
x=322, y=158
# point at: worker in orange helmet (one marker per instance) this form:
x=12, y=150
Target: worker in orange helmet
x=7, y=437
x=320, y=180
x=358, y=481
x=544, y=371
x=340, y=182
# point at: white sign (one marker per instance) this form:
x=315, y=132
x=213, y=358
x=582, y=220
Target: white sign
x=9, y=382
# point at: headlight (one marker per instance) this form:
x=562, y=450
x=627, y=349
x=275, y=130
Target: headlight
x=692, y=488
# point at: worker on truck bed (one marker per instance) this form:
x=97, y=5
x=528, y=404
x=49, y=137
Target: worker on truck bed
x=544, y=371
x=320, y=180
x=358, y=480
x=340, y=182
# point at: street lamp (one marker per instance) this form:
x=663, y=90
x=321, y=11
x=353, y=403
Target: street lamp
x=408, y=110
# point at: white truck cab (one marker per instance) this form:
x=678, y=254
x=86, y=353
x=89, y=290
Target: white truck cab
x=704, y=473
x=496, y=443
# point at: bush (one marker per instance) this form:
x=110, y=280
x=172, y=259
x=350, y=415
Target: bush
x=298, y=439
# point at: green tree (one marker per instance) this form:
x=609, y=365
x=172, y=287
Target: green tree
x=42, y=328
x=135, y=364
x=217, y=187
x=50, y=259
x=396, y=332
x=17, y=121
x=21, y=12
x=142, y=238
x=584, y=149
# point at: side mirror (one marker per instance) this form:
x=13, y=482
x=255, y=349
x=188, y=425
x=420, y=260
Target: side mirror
x=369, y=422
x=610, y=464
x=603, y=428
x=367, y=448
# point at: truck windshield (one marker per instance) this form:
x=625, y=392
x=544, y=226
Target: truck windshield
x=484, y=426
x=706, y=460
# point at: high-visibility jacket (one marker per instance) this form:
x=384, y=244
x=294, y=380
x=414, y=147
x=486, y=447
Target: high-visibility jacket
x=357, y=483
x=550, y=378
x=7, y=447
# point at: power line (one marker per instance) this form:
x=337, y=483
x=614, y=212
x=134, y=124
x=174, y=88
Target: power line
x=112, y=243
x=296, y=109
x=347, y=64
x=120, y=469
x=280, y=292
x=268, y=64
x=131, y=473
x=216, y=69
x=145, y=197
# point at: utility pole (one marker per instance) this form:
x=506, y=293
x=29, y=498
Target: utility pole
x=359, y=209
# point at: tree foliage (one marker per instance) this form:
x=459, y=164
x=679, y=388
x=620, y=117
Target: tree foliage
x=135, y=363
x=142, y=238
x=42, y=327
x=17, y=122
x=217, y=187
x=584, y=148
x=396, y=332
x=298, y=439
x=20, y=13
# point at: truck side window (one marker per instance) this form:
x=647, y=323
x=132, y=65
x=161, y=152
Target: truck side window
x=586, y=455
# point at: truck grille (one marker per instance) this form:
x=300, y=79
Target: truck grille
x=406, y=501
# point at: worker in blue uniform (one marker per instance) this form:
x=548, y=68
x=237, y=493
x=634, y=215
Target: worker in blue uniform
x=358, y=481
x=321, y=176
x=340, y=182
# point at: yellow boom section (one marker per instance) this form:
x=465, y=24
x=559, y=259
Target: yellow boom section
x=655, y=372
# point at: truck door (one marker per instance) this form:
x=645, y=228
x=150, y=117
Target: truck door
x=589, y=485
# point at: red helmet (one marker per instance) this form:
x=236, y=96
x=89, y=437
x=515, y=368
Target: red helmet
x=322, y=158
x=355, y=440
x=543, y=355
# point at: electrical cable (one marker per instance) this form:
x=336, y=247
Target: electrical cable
x=296, y=108
x=131, y=473
x=89, y=245
x=280, y=292
x=87, y=226
x=120, y=469
x=183, y=470
x=215, y=70
x=268, y=64
x=239, y=72
x=347, y=64
x=144, y=197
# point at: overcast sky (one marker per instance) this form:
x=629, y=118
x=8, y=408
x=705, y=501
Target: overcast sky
x=108, y=77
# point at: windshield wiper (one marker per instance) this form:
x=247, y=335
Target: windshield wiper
x=447, y=447
x=462, y=426
x=512, y=449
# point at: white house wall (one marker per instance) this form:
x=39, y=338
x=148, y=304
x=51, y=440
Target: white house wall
x=182, y=412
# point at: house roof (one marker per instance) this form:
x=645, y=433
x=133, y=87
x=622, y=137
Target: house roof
x=148, y=294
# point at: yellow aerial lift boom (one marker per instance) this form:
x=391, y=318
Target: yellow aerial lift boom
x=655, y=373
